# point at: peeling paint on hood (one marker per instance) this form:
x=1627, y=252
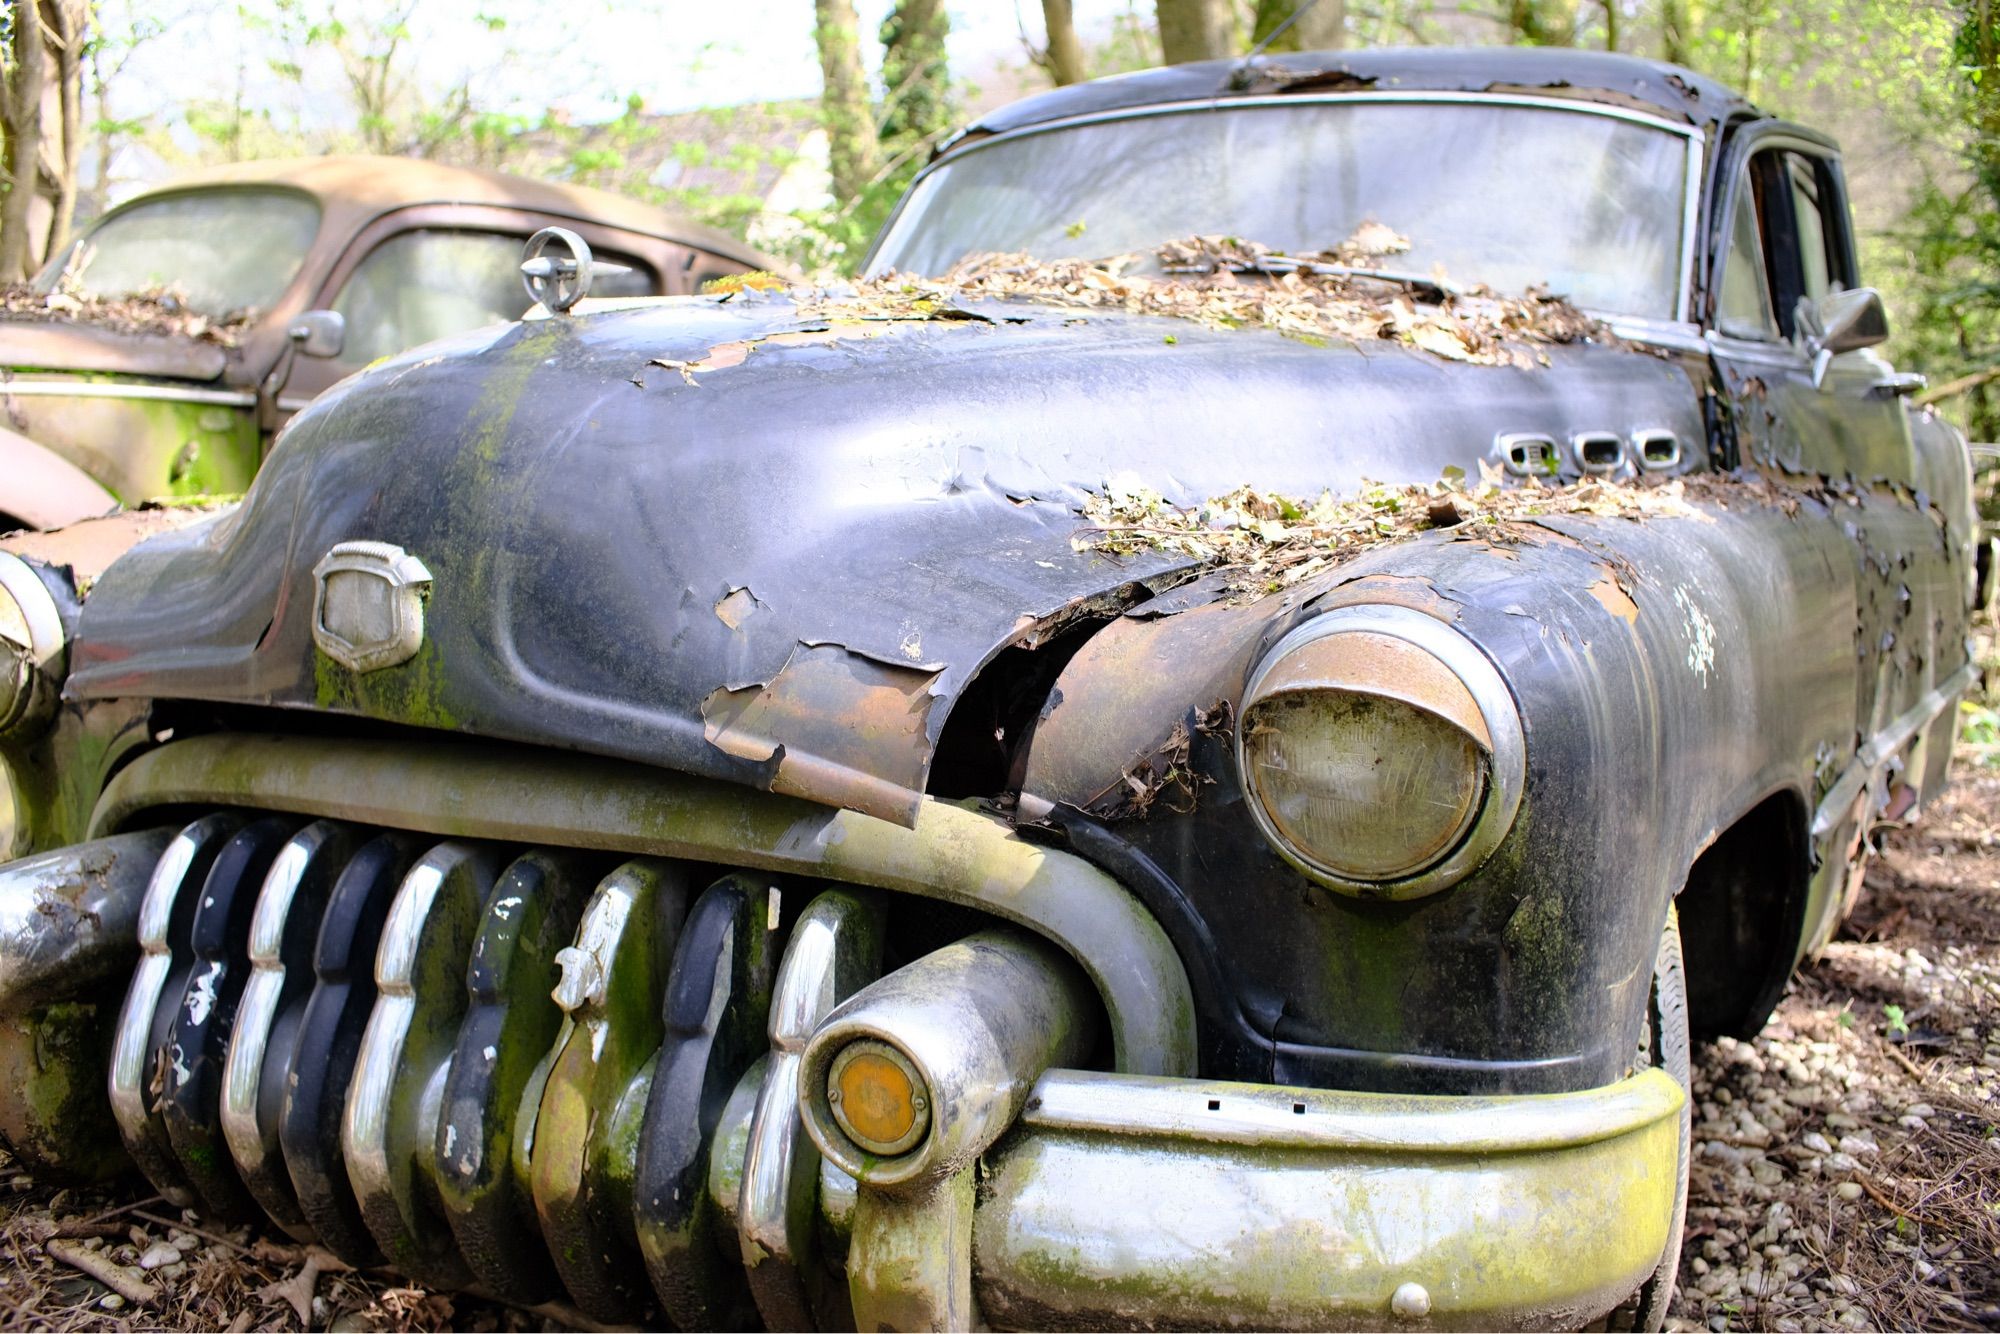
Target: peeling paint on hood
x=782, y=572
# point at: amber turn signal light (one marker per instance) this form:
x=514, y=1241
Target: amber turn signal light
x=878, y=1098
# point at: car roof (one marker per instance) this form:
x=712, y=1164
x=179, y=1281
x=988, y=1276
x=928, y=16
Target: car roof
x=1629, y=82
x=352, y=190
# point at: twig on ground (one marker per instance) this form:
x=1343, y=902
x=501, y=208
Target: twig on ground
x=103, y=1269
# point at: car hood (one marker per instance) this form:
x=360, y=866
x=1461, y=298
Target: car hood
x=728, y=538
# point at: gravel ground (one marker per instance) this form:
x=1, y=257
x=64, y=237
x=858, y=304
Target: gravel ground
x=1847, y=1162
x=1846, y=1170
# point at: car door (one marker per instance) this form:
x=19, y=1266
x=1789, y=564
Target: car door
x=1785, y=243
x=433, y=274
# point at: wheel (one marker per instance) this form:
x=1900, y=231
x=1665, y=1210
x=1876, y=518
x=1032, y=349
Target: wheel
x=1664, y=1043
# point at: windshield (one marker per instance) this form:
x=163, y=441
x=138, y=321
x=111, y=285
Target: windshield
x=1508, y=196
x=223, y=252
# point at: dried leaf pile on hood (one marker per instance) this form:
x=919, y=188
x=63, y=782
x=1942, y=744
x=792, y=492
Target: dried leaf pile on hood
x=1228, y=283
x=1267, y=542
x=159, y=311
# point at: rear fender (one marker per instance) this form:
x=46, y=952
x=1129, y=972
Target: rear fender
x=44, y=489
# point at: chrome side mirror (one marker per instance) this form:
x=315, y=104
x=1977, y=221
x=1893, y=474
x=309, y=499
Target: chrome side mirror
x=319, y=333
x=1841, y=322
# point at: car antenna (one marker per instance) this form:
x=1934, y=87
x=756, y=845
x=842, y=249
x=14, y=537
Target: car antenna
x=1243, y=66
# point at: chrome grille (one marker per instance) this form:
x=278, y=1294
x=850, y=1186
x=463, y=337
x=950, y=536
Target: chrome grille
x=540, y=1071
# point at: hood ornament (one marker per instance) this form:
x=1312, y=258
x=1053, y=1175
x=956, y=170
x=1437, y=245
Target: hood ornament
x=368, y=605
x=557, y=281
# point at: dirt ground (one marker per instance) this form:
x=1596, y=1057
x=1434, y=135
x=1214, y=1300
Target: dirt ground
x=1846, y=1171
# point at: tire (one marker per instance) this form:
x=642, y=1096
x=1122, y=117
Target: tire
x=1664, y=1044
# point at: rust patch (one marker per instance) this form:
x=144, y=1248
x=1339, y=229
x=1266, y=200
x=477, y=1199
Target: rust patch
x=737, y=606
x=1611, y=596
x=843, y=728
x=724, y=355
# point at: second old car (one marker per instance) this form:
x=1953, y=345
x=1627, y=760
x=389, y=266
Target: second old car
x=161, y=350
x=1189, y=752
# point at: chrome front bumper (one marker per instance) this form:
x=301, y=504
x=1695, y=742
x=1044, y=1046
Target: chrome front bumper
x=1122, y=1201
x=580, y=1126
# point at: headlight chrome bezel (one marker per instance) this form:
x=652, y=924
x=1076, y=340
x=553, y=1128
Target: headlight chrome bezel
x=1486, y=704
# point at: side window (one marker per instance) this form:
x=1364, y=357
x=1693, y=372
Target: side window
x=1816, y=209
x=421, y=285
x=1745, y=309
x=426, y=284
x=1786, y=245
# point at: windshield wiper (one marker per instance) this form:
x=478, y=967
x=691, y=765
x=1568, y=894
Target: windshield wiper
x=1442, y=288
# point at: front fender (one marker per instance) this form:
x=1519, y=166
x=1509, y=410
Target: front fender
x=1670, y=673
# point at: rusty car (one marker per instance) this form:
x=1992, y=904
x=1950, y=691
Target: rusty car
x=1190, y=750
x=158, y=353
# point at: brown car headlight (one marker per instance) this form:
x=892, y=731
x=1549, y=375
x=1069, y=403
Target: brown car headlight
x=1381, y=752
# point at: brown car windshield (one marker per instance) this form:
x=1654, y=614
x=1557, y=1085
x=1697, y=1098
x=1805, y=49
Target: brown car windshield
x=222, y=252
x=1493, y=193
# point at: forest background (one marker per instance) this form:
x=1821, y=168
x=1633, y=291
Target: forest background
x=1911, y=88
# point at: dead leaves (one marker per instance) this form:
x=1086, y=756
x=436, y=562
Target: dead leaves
x=1268, y=541
x=158, y=311
x=1220, y=283
x=1229, y=283
x=1168, y=774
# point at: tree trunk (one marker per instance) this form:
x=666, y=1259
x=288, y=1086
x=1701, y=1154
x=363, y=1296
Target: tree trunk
x=1674, y=31
x=21, y=112
x=1195, y=29
x=916, y=80
x=852, y=147
x=1320, y=27
x=67, y=23
x=1323, y=27
x=1065, y=60
x=1611, y=25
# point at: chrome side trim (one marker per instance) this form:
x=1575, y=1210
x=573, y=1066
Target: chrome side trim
x=1673, y=335
x=1875, y=752
x=222, y=398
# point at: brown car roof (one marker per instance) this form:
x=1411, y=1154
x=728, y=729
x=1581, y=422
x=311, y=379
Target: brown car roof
x=352, y=190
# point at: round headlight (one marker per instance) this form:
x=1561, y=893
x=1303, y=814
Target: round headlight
x=31, y=648
x=1381, y=751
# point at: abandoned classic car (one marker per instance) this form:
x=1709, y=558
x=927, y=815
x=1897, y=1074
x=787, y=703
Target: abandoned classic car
x=280, y=278
x=1036, y=789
